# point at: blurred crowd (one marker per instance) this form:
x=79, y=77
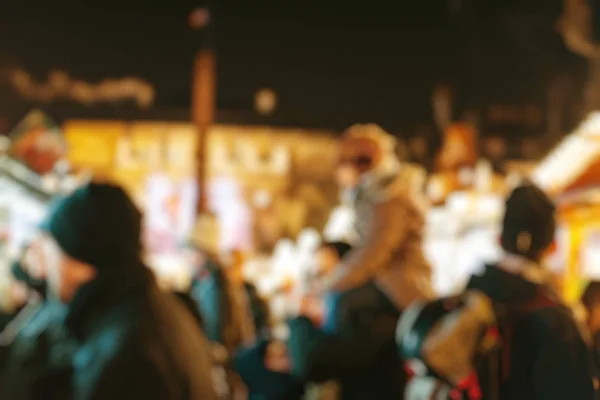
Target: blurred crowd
x=91, y=321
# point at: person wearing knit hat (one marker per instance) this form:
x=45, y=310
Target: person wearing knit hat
x=538, y=351
x=134, y=340
x=529, y=224
x=98, y=229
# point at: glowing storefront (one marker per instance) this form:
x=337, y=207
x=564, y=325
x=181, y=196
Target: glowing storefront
x=571, y=175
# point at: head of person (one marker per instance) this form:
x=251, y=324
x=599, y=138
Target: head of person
x=193, y=256
x=329, y=254
x=363, y=148
x=529, y=224
x=200, y=255
x=591, y=302
x=93, y=232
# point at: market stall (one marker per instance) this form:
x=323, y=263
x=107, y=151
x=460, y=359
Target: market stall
x=23, y=201
x=155, y=162
x=264, y=182
x=285, y=175
x=31, y=172
x=571, y=175
x=461, y=236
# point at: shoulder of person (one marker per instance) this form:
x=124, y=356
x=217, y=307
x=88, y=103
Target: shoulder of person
x=400, y=193
x=135, y=371
x=552, y=321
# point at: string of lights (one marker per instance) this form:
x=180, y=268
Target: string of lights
x=61, y=86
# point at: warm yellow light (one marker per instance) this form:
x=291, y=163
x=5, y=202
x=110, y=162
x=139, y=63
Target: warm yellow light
x=199, y=18
x=265, y=101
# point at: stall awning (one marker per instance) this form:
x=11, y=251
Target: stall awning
x=575, y=163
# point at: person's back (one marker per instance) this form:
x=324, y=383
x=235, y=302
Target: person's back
x=134, y=341
x=542, y=353
x=508, y=329
x=146, y=345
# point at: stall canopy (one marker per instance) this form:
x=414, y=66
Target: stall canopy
x=573, y=167
x=571, y=175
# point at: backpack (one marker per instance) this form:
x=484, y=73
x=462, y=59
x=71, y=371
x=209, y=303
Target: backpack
x=490, y=363
x=494, y=367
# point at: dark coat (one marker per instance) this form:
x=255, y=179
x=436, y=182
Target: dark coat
x=361, y=355
x=548, y=357
x=210, y=294
x=262, y=383
x=189, y=303
x=36, y=363
x=223, y=317
x=595, y=359
x=136, y=342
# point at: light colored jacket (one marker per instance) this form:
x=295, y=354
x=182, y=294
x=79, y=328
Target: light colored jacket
x=389, y=225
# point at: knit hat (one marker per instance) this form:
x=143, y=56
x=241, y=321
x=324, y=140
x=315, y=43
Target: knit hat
x=97, y=224
x=529, y=224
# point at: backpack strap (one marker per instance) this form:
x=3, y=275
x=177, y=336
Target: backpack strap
x=543, y=300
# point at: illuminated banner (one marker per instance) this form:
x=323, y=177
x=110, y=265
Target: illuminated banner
x=92, y=145
x=155, y=163
x=170, y=211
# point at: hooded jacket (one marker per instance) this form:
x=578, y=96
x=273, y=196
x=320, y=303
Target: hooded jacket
x=548, y=356
x=389, y=223
x=542, y=354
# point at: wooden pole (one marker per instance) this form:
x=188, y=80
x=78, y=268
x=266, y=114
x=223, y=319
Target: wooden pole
x=203, y=109
x=203, y=95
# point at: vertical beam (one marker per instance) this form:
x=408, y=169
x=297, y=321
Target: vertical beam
x=203, y=109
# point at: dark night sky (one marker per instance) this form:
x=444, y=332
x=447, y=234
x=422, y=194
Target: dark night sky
x=331, y=63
